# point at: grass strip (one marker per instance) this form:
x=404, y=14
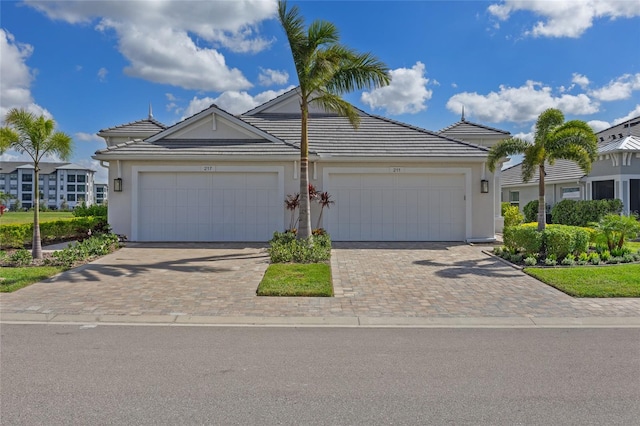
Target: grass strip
x=19, y=218
x=12, y=279
x=592, y=281
x=297, y=279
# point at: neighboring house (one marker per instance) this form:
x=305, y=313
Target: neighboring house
x=101, y=191
x=59, y=182
x=219, y=177
x=615, y=173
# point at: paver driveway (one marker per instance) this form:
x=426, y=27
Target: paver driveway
x=370, y=279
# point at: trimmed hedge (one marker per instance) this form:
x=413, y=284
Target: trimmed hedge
x=17, y=236
x=556, y=241
x=583, y=212
x=523, y=238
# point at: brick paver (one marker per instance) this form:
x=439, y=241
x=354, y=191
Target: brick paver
x=370, y=279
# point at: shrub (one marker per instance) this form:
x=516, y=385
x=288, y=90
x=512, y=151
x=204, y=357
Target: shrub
x=614, y=229
x=605, y=255
x=92, y=210
x=551, y=260
x=20, y=257
x=530, y=261
x=560, y=240
x=531, y=211
x=594, y=259
x=17, y=236
x=512, y=216
x=525, y=238
x=569, y=260
x=583, y=212
x=99, y=245
x=285, y=247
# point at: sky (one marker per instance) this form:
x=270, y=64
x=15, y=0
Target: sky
x=91, y=65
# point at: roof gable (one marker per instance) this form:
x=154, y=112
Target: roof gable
x=467, y=128
x=213, y=123
x=146, y=127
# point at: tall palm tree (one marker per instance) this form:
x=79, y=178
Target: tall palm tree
x=326, y=70
x=553, y=139
x=35, y=136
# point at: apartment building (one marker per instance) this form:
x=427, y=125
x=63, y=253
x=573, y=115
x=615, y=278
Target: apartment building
x=60, y=184
x=101, y=193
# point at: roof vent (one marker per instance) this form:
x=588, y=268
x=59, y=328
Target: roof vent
x=620, y=135
x=601, y=139
x=613, y=136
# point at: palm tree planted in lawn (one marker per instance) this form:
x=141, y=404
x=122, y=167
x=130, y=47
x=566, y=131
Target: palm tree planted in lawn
x=326, y=70
x=36, y=137
x=553, y=139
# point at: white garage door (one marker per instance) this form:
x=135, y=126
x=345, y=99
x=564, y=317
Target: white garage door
x=397, y=207
x=208, y=206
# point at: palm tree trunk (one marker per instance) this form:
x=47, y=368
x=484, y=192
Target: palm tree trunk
x=304, y=225
x=36, y=246
x=542, y=219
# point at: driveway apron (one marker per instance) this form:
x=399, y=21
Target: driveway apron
x=370, y=280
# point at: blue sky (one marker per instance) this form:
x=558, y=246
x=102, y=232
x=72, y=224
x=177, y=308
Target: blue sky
x=96, y=64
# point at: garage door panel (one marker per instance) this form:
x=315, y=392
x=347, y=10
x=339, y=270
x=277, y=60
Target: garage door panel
x=208, y=206
x=399, y=207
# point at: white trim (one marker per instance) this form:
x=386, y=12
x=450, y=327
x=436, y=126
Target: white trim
x=136, y=170
x=467, y=172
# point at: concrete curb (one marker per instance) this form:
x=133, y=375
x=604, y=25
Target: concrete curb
x=342, y=322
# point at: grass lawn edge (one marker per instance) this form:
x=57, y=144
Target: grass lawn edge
x=297, y=280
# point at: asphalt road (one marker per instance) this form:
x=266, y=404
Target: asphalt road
x=139, y=375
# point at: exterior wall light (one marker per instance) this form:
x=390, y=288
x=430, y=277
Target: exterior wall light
x=117, y=185
x=484, y=186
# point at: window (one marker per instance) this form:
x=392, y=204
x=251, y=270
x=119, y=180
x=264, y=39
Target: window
x=27, y=177
x=26, y=197
x=99, y=190
x=71, y=178
x=52, y=196
x=80, y=188
x=603, y=190
x=71, y=188
x=514, y=198
x=81, y=178
x=572, y=193
x=71, y=197
x=27, y=187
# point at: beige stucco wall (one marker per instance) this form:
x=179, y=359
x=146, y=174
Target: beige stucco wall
x=481, y=211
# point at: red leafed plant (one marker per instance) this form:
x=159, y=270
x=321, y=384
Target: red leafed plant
x=324, y=199
x=292, y=202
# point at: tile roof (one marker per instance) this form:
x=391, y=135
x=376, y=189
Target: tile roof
x=561, y=171
x=465, y=128
x=332, y=135
x=146, y=127
x=176, y=148
x=45, y=168
x=628, y=144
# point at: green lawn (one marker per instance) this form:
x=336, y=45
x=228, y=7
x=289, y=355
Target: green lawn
x=592, y=281
x=633, y=245
x=16, y=218
x=297, y=279
x=12, y=279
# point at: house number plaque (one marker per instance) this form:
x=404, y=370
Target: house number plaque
x=395, y=169
x=208, y=168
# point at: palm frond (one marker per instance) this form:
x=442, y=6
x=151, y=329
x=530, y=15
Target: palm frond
x=503, y=149
x=334, y=103
x=546, y=123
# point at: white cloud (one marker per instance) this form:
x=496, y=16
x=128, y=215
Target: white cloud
x=407, y=92
x=102, y=74
x=270, y=77
x=580, y=80
x=565, y=18
x=15, y=84
x=174, y=42
x=170, y=97
x=632, y=114
x=598, y=125
x=519, y=104
x=87, y=137
x=233, y=102
x=618, y=89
